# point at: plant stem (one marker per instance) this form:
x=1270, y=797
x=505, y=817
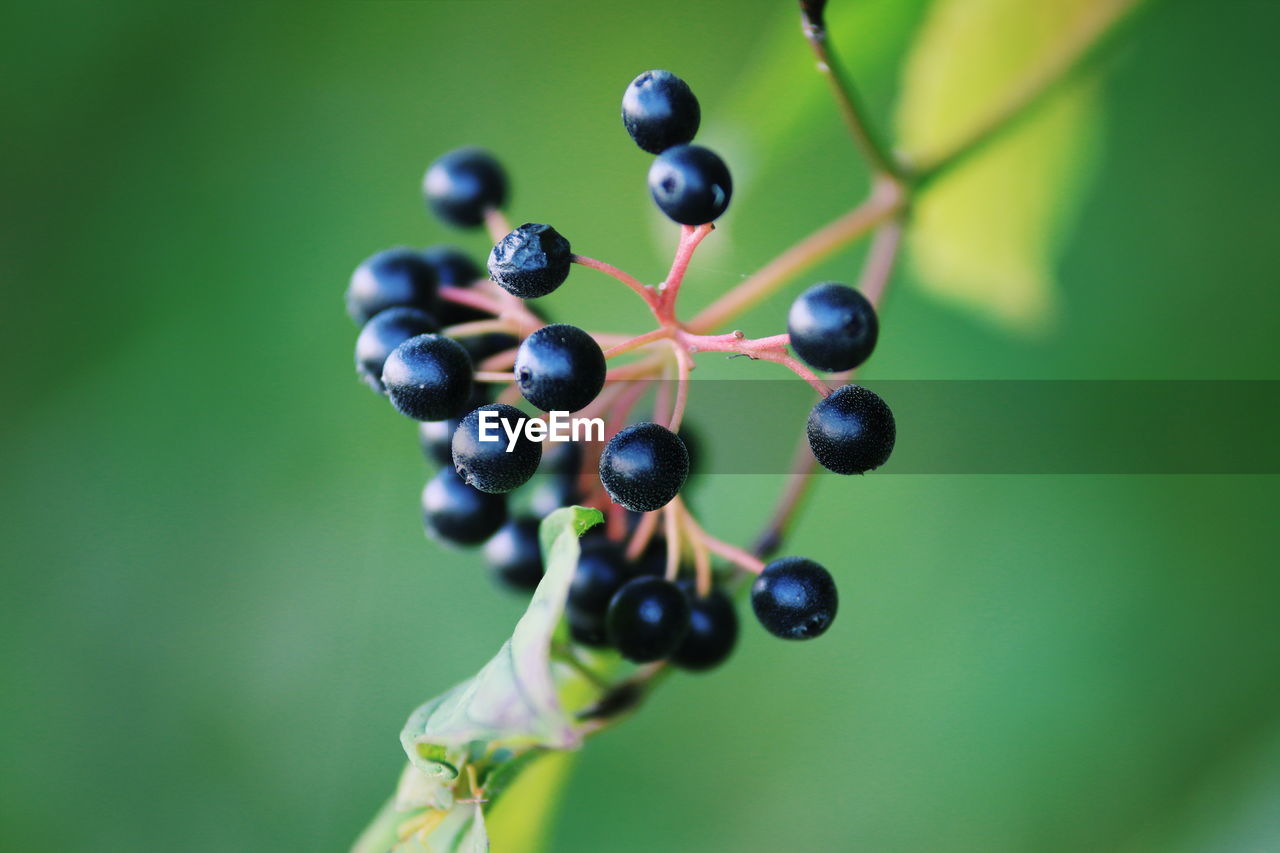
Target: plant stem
x=636, y=342
x=885, y=202
x=1097, y=29
x=645, y=292
x=881, y=258
x=690, y=237
x=684, y=364
x=495, y=222
x=848, y=102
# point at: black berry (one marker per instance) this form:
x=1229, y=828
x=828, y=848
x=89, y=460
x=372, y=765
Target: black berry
x=648, y=619
x=486, y=463
x=659, y=110
x=428, y=378
x=713, y=630
x=463, y=184
x=602, y=569
x=832, y=327
x=852, y=431
x=391, y=279
x=560, y=367
x=456, y=513
x=531, y=261
x=381, y=335
x=644, y=466
x=794, y=598
x=515, y=555
x=690, y=184
x=454, y=269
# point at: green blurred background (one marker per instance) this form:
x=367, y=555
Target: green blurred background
x=218, y=603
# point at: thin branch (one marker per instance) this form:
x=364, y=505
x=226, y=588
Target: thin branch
x=848, y=102
x=690, y=237
x=882, y=205
x=881, y=258
x=645, y=292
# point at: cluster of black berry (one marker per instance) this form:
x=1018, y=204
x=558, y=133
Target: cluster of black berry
x=436, y=332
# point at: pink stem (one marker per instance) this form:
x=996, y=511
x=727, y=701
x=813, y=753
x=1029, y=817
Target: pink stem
x=495, y=221
x=646, y=293
x=637, y=342
x=671, y=513
x=493, y=376
x=690, y=237
x=684, y=363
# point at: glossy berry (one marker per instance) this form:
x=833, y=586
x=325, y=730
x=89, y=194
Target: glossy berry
x=486, y=464
x=428, y=378
x=659, y=110
x=531, y=261
x=648, y=619
x=644, y=466
x=463, y=184
x=382, y=334
x=454, y=269
x=601, y=571
x=391, y=279
x=458, y=514
x=515, y=555
x=690, y=184
x=560, y=368
x=852, y=431
x=794, y=598
x=832, y=327
x=713, y=630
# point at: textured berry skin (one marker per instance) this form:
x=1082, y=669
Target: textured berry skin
x=461, y=185
x=713, y=630
x=380, y=336
x=531, y=261
x=458, y=514
x=659, y=110
x=454, y=269
x=644, y=466
x=560, y=367
x=428, y=378
x=690, y=184
x=852, y=431
x=487, y=465
x=648, y=619
x=391, y=279
x=794, y=598
x=515, y=556
x=602, y=570
x=832, y=327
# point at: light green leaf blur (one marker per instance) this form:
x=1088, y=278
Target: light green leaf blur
x=502, y=718
x=987, y=235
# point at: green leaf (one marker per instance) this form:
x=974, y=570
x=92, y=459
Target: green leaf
x=985, y=235
x=485, y=730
